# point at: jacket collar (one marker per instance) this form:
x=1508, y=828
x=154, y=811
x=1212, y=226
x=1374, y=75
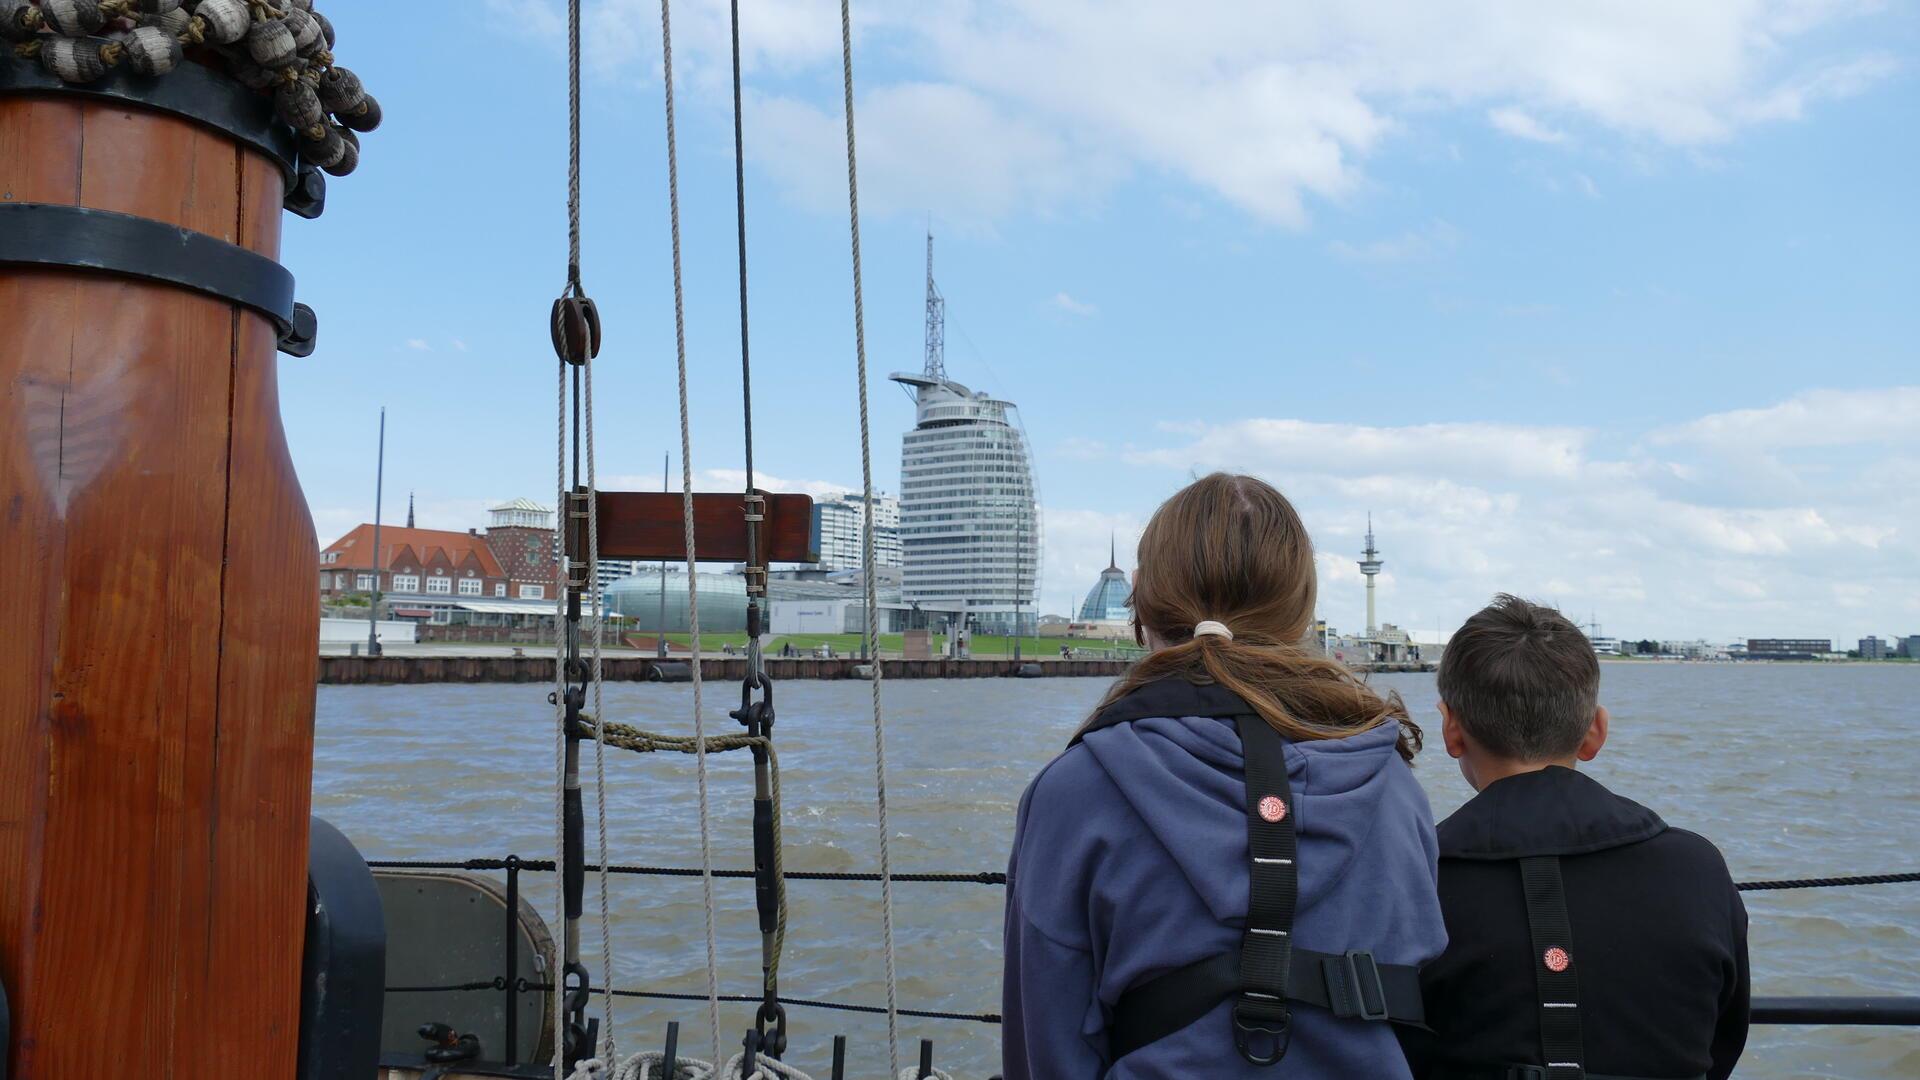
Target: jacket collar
x=1171, y=696
x=1555, y=811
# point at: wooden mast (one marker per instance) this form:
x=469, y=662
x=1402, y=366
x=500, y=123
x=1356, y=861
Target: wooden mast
x=159, y=613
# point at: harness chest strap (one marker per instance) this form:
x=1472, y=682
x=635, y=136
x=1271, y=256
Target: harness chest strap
x=1557, y=988
x=1562, y=1045
x=1268, y=972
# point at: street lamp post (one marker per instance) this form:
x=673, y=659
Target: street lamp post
x=379, y=479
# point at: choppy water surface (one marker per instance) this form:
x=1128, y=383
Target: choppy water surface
x=1794, y=770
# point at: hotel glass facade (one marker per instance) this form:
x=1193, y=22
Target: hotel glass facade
x=969, y=530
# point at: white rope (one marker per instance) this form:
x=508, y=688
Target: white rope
x=609, y=1049
x=867, y=554
x=651, y=1065
x=686, y=491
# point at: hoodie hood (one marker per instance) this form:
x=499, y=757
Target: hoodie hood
x=1173, y=750
x=1554, y=811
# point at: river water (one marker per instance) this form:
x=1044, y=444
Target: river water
x=1793, y=770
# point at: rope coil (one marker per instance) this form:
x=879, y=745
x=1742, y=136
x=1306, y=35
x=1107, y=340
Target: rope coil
x=283, y=50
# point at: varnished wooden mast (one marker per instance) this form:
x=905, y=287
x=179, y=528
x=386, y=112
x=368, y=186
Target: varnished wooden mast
x=159, y=617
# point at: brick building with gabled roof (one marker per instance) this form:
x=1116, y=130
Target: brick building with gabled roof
x=429, y=562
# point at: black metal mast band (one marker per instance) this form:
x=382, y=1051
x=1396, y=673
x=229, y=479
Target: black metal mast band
x=1562, y=1042
x=1262, y=1023
x=80, y=238
x=192, y=91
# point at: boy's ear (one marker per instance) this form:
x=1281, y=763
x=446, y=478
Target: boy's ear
x=1596, y=736
x=1450, y=733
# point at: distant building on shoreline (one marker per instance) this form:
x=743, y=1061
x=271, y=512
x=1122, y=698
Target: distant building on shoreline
x=502, y=578
x=969, y=526
x=1107, y=600
x=1788, y=648
x=840, y=524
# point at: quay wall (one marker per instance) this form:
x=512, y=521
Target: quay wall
x=385, y=670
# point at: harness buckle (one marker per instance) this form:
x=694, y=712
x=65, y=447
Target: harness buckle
x=1260, y=1020
x=1363, y=979
x=1526, y=1072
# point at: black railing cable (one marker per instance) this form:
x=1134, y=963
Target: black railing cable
x=994, y=877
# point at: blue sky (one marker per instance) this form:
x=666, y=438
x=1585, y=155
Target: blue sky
x=1611, y=308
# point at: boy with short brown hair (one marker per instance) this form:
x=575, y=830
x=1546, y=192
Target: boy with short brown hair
x=1586, y=937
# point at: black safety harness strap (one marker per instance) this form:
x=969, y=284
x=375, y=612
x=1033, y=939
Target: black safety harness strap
x=1350, y=985
x=1262, y=1025
x=1268, y=973
x=1563, y=1054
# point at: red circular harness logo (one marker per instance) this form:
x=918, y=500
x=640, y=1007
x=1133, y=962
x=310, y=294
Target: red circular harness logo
x=1557, y=960
x=1272, y=809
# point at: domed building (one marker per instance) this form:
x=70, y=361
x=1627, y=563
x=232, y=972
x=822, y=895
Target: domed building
x=1107, y=601
x=723, y=602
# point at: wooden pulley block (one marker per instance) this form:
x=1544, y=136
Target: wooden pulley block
x=576, y=329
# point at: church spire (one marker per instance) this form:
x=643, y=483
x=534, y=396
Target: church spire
x=1113, y=552
x=409, y=509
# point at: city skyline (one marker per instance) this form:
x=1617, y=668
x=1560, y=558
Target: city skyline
x=1625, y=330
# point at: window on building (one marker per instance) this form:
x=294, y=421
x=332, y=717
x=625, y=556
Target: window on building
x=533, y=592
x=500, y=588
x=363, y=582
x=406, y=583
x=339, y=582
x=325, y=578
x=439, y=585
x=469, y=587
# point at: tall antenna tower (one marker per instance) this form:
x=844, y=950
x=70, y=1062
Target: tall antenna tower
x=1370, y=566
x=936, y=323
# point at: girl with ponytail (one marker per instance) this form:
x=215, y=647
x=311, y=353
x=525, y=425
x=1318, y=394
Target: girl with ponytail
x=1164, y=920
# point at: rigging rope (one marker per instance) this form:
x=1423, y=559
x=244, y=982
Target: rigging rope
x=566, y=645
x=610, y=1049
x=559, y=675
x=686, y=491
x=867, y=548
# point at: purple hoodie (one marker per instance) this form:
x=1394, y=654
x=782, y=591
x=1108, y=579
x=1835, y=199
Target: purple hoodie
x=1130, y=859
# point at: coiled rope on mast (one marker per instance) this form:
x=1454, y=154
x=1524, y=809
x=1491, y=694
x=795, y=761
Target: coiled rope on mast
x=867, y=548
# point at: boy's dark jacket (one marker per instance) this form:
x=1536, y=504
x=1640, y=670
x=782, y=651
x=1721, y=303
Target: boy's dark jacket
x=1659, y=936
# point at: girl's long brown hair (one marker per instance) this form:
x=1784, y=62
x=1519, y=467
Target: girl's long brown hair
x=1232, y=549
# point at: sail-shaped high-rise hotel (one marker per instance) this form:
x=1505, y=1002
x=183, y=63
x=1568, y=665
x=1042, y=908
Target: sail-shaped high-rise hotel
x=969, y=530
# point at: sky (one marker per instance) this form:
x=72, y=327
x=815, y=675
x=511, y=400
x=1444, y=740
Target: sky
x=1609, y=305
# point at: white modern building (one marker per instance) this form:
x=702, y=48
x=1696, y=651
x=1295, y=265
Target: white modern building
x=969, y=527
x=840, y=526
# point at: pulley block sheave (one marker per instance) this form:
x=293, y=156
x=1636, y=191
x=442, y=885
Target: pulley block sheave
x=576, y=328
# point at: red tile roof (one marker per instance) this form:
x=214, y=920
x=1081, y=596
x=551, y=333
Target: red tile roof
x=352, y=548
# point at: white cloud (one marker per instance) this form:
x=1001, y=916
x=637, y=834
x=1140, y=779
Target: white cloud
x=459, y=345
x=1071, y=306
x=1675, y=532
x=1520, y=124
x=1816, y=418
x=419, y=345
x=1029, y=104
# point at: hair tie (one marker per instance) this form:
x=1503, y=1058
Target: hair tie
x=1209, y=628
